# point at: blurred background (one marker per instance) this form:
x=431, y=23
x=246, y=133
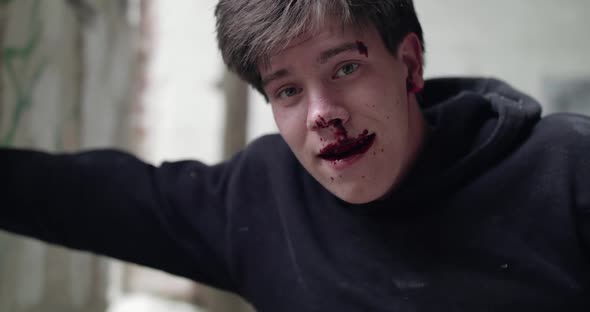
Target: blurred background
x=145, y=76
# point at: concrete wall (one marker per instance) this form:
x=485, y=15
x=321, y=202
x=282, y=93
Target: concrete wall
x=67, y=80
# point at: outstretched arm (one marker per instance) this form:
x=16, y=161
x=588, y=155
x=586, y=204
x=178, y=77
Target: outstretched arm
x=171, y=218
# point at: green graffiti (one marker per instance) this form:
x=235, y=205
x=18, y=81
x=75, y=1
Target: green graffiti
x=22, y=89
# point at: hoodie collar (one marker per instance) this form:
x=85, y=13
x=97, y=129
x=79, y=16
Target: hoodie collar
x=474, y=123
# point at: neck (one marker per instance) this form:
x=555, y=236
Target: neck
x=416, y=137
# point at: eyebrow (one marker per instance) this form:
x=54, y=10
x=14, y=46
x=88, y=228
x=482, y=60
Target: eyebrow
x=330, y=53
x=274, y=76
x=322, y=59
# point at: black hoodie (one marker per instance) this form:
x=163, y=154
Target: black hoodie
x=493, y=216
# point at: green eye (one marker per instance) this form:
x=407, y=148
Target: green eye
x=346, y=70
x=288, y=92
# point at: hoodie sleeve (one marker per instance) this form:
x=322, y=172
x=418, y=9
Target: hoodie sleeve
x=171, y=217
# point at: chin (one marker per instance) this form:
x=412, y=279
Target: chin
x=357, y=195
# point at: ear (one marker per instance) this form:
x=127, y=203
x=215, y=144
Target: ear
x=410, y=53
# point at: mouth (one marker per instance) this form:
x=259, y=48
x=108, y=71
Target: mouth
x=348, y=147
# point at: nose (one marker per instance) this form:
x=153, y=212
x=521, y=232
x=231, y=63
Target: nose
x=324, y=109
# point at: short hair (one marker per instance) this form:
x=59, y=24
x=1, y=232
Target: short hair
x=249, y=32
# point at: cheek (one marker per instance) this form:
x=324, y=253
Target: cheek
x=380, y=93
x=291, y=125
x=380, y=103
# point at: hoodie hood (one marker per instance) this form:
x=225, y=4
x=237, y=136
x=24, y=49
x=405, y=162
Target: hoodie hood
x=474, y=123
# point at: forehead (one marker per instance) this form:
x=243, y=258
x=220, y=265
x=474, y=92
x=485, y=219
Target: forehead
x=312, y=45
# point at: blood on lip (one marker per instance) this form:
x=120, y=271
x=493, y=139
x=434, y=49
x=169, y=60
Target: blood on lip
x=347, y=147
x=344, y=146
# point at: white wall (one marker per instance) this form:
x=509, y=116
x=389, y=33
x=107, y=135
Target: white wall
x=183, y=99
x=525, y=42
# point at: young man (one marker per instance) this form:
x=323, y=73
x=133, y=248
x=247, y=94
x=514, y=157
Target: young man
x=382, y=193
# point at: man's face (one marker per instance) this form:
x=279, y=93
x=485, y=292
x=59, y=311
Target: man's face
x=341, y=102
